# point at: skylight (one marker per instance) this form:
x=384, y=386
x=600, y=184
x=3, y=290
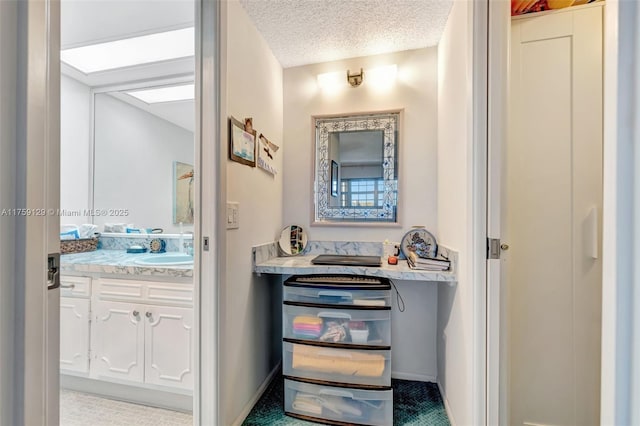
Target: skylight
x=131, y=51
x=182, y=92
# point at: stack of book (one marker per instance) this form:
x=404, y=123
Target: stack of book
x=428, y=264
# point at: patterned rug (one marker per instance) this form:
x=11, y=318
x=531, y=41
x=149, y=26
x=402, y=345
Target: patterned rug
x=414, y=403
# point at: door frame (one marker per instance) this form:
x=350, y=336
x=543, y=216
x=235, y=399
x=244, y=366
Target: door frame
x=37, y=162
x=35, y=42
x=209, y=228
x=621, y=62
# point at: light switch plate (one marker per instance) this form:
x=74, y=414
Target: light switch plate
x=233, y=215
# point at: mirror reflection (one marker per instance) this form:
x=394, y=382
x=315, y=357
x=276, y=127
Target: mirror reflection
x=143, y=158
x=293, y=240
x=356, y=177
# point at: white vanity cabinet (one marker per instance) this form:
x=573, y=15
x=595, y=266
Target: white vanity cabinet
x=74, y=324
x=142, y=332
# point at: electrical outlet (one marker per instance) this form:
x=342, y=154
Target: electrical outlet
x=233, y=215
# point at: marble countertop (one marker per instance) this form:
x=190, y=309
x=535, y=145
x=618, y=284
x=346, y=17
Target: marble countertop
x=303, y=265
x=118, y=262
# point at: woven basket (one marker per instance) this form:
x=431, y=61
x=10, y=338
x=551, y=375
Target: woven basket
x=78, y=246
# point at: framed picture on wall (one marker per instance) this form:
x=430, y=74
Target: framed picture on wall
x=334, y=178
x=182, y=193
x=242, y=143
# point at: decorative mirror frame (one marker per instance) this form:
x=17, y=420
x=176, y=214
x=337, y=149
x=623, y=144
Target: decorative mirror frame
x=322, y=126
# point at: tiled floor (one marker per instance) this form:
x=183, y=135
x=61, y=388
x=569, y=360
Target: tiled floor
x=80, y=409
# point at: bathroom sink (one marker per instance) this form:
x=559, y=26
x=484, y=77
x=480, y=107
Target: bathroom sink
x=166, y=259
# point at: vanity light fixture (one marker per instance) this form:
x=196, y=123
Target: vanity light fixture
x=183, y=92
x=131, y=51
x=355, y=79
x=379, y=77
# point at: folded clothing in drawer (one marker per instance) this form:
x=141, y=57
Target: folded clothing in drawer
x=337, y=361
x=305, y=326
x=370, y=407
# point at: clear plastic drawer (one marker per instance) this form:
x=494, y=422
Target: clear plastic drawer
x=366, y=407
x=337, y=326
x=337, y=296
x=340, y=365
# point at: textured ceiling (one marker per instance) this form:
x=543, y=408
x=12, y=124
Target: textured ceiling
x=302, y=32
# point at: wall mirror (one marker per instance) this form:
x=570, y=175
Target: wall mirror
x=356, y=168
x=144, y=155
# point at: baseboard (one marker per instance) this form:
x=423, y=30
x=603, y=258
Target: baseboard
x=126, y=393
x=263, y=387
x=447, y=407
x=413, y=376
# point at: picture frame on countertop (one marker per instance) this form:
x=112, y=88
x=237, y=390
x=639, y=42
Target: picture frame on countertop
x=242, y=143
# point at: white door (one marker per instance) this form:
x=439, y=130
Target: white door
x=30, y=83
x=74, y=334
x=117, y=341
x=168, y=346
x=552, y=203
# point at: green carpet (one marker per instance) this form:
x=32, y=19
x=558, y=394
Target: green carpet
x=414, y=403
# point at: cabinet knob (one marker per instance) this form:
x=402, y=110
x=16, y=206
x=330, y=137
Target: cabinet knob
x=136, y=313
x=148, y=314
x=504, y=246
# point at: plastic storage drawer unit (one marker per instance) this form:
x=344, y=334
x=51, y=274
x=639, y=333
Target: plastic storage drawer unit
x=351, y=366
x=338, y=290
x=339, y=404
x=339, y=326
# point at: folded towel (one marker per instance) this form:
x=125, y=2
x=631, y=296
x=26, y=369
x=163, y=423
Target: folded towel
x=337, y=361
x=70, y=235
x=305, y=319
x=87, y=230
x=307, y=403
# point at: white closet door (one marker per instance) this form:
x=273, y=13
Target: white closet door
x=553, y=196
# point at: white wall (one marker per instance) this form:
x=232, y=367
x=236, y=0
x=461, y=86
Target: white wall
x=134, y=155
x=455, y=304
x=75, y=140
x=8, y=68
x=415, y=90
x=253, y=89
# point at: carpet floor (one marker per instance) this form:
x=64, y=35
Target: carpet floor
x=414, y=404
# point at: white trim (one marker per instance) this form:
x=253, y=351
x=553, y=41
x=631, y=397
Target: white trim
x=478, y=204
x=210, y=182
x=8, y=78
x=447, y=407
x=498, y=81
x=618, y=215
x=256, y=397
x=128, y=393
x=414, y=376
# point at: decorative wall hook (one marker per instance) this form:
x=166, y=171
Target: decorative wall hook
x=355, y=80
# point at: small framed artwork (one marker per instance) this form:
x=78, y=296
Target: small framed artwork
x=242, y=143
x=267, y=155
x=334, y=178
x=183, y=207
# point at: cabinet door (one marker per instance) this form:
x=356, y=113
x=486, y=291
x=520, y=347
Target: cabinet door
x=117, y=341
x=168, y=346
x=74, y=334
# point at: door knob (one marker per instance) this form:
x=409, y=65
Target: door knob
x=504, y=246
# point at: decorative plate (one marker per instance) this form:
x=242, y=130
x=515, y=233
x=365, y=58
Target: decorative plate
x=420, y=241
x=157, y=245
